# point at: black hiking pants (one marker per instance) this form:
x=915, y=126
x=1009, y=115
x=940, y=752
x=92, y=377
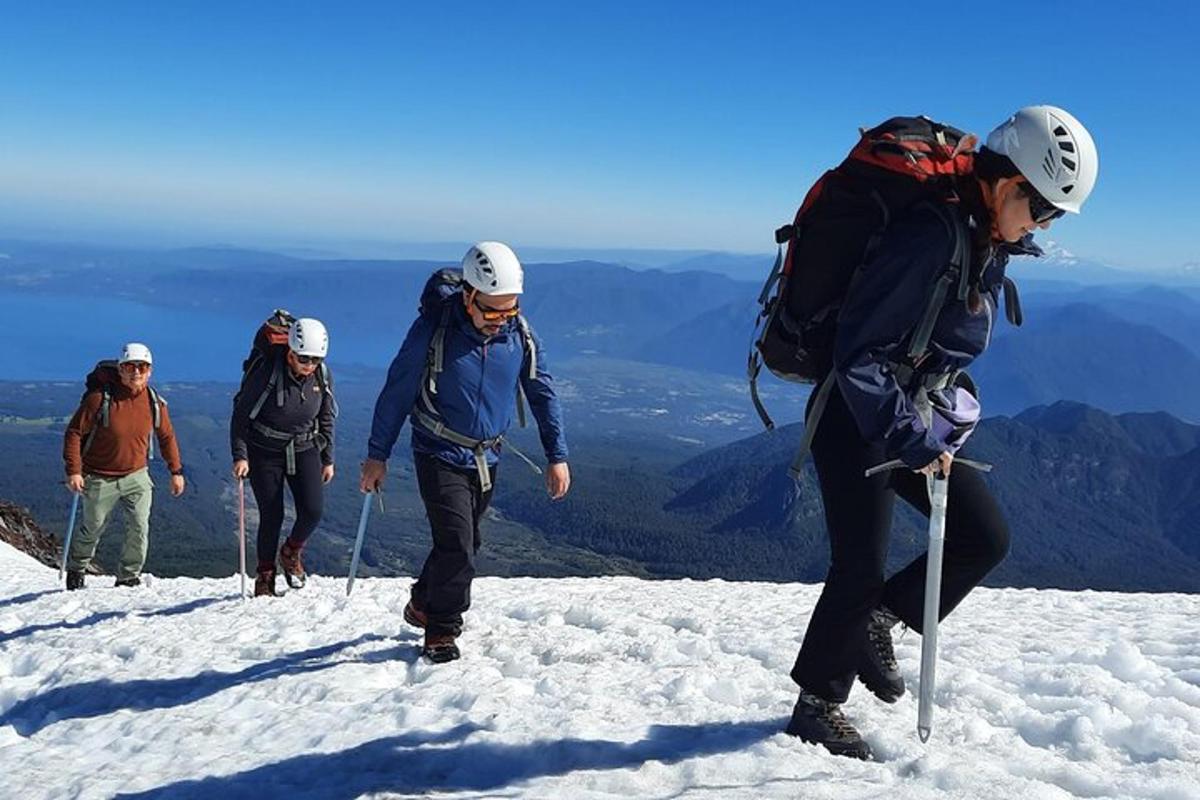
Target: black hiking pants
x=268, y=475
x=858, y=516
x=454, y=503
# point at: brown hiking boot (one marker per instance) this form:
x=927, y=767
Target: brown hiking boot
x=293, y=569
x=264, y=584
x=415, y=616
x=440, y=648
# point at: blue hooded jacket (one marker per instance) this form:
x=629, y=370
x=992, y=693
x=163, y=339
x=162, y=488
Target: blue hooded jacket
x=476, y=391
x=884, y=306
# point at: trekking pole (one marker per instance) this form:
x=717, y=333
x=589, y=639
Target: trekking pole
x=939, y=486
x=358, y=540
x=66, y=553
x=242, y=534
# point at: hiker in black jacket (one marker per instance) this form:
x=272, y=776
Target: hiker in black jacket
x=887, y=398
x=282, y=431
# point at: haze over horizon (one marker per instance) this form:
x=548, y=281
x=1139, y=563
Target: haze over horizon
x=672, y=128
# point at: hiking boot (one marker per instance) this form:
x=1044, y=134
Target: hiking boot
x=878, y=669
x=440, y=648
x=134, y=581
x=818, y=721
x=74, y=580
x=415, y=616
x=264, y=584
x=289, y=561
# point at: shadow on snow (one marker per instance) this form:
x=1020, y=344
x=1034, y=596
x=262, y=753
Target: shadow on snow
x=101, y=616
x=415, y=763
x=97, y=698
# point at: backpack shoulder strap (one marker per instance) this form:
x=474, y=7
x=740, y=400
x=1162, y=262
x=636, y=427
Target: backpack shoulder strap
x=326, y=384
x=156, y=404
x=155, y=415
x=957, y=272
x=266, y=392
x=105, y=406
x=434, y=357
x=101, y=420
x=528, y=343
x=531, y=354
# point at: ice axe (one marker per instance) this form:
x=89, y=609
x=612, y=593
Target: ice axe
x=358, y=539
x=938, y=485
x=66, y=553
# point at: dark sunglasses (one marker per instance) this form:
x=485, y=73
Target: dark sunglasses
x=308, y=359
x=495, y=314
x=135, y=366
x=1041, y=210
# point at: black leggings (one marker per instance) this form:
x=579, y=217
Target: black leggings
x=268, y=472
x=858, y=516
x=454, y=503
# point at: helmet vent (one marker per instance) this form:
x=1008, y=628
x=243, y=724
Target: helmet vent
x=1061, y=131
x=1067, y=189
x=1067, y=146
x=1048, y=164
x=1069, y=164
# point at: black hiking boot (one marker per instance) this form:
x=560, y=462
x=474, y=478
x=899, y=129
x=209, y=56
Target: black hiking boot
x=415, y=616
x=293, y=569
x=74, y=580
x=878, y=669
x=134, y=581
x=264, y=584
x=440, y=648
x=818, y=721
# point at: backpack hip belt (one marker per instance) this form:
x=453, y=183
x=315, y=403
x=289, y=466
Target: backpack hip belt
x=478, y=447
x=291, y=440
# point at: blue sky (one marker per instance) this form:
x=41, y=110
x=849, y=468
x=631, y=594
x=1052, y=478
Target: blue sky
x=672, y=125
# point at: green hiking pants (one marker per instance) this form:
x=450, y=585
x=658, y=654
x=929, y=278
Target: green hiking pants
x=100, y=496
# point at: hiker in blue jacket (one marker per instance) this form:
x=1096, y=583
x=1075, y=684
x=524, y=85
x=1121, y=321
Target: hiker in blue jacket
x=465, y=365
x=883, y=404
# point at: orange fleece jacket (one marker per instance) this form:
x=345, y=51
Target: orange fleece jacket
x=122, y=447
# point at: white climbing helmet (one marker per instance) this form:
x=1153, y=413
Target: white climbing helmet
x=493, y=268
x=1053, y=151
x=135, y=351
x=308, y=337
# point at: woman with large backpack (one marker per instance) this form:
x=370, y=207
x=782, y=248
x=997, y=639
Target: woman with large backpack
x=282, y=432
x=918, y=310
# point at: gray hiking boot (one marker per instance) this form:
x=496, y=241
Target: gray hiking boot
x=818, y=721
x=878, y=669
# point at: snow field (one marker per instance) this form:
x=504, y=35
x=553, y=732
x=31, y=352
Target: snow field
x=573, y=688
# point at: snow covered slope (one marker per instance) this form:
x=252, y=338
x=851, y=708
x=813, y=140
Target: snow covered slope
x=574, y=688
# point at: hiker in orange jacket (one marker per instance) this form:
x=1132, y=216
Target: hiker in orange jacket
x=106, y=450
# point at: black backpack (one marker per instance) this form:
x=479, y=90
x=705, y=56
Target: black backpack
x=893, y=168
x=103, y=377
